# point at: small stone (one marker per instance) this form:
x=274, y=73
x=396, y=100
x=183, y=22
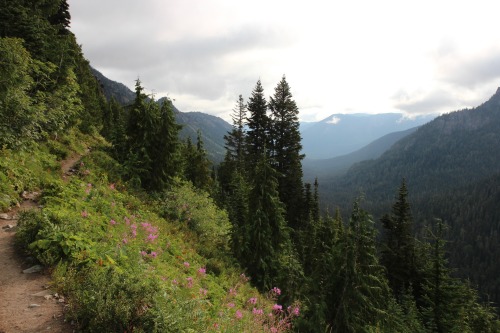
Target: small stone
x=61, y=300
x=33, y=269
x=34, y=305
x=43, y=293
x=7, y=227
x=47, y=297
x=4, y=216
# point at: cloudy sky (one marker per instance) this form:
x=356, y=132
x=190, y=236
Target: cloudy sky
x=359, y=56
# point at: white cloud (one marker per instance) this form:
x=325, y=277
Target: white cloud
x=338, y=57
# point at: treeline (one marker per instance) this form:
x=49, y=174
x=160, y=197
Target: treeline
x=347, y=278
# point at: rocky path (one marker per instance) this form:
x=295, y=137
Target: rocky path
x=27, y=304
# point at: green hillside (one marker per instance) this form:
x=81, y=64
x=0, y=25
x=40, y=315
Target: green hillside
x=451, y=166
x=141, y=235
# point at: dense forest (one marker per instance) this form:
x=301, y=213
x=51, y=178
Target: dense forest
x=147, y=236
x=451, y=165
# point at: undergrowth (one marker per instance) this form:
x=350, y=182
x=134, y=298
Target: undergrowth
x=129, y=263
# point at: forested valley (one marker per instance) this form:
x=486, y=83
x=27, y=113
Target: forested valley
x=146, y=235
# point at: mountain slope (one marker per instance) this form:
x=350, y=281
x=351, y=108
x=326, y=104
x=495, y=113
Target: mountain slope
x=453, y=172
x=212, y=128
x=327, y=168
x=341, y=134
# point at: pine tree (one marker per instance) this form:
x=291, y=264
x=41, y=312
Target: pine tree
x=266, y=229
x=196, y=164
x=360, y=294
x=235, y=140
x=164, y=148
x=258, y=139
x=398, y=252
x=285, y=151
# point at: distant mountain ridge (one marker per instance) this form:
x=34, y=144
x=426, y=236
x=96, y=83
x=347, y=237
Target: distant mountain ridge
x=452, y=168
x=327, y=168
x=212, y=128
x=341, y=134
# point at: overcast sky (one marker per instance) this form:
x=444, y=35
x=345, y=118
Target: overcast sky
x=344, y=56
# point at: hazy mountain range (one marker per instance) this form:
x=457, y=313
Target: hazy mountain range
x=452, y=168
x=334, y=136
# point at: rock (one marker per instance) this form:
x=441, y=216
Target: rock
x=4, y=216
x=43, y=293
x=30, y=195
x=34, y=305
x=8, y=226
x=33, y=269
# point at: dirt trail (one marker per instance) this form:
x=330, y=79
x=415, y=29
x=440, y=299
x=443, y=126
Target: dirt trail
x=26, y=303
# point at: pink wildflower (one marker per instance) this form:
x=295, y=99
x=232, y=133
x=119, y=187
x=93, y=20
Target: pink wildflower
x=276, y=291
x=274, y=330
x=257, y=311
x=186, y=264
x=144, y=253
x=253, y=300
x=202, y=271
x=153, y=254
x=190, y=282
x=112, y=222
x=203, y=291
x=112, y=186
x=124, y=241
x=232, y=292
x=85, y=214
x=296, y=311
x=230, y=305
x=277, y=307
x=238, y=314
x=151, y=238
x=174, y=281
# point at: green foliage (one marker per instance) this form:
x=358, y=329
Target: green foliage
x=194, y=209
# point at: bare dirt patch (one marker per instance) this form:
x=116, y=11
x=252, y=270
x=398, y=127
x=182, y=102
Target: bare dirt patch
x=27, y=304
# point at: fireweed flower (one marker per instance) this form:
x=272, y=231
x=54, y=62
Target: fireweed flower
x=203, y=291
x=253, y=300
x=238, y=314
x=257, y=311
x=189, y=282
x=112, y=186
x=124, y=241
x=153, y=254
x=202, y=271
x=84, y=213
x=186, y=264
x=112, y=222
x=276, y=291
x=144, y=253
x=277, y=307
x=230, y=305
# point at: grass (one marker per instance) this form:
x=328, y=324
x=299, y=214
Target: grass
x=127, y=262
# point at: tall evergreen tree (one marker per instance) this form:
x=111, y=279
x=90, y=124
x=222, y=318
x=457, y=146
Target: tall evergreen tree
x=165, y=148
x=285, y=150
x=235, y=140
x=398, y=252
x=196, y=164
x=258, y=139
x=266, y=226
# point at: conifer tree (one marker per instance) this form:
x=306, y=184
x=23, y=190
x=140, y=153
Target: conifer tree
x=267, y=231
x=360, y=295
x=165, y=148
x=235, y=140
x=398, y=252
x=234, y=160
x=258, y=139
x=196, y=164
x=285, y=150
